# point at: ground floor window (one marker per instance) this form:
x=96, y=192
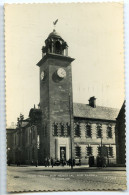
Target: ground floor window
x=99, y=151
x=89, y=151
x=110, y=151
x=77, y=151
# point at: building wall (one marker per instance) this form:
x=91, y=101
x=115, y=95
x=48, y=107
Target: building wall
x=83, y=141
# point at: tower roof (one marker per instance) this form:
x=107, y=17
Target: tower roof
x=54, y=34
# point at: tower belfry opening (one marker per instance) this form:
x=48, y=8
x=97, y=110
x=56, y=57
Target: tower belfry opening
x=55, y=44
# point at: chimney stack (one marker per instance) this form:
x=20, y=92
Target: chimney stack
x=92, y=102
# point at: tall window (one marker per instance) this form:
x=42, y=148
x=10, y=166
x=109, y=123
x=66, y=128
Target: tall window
x=88, y=131
x=77, y=152
x=109, y=132
x=99, y=131
x=110, y=151
x=89, y=151
x=62, y=130
x=57, y=47
x=77, y=129
x=55, y=130
x=99, y=151
x=68, y=129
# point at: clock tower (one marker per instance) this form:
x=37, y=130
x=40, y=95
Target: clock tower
x=56, y=100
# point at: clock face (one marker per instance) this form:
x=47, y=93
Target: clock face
x=42, y=75
x=61, y=73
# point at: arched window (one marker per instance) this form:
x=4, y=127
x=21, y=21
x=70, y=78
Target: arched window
x=77, y=129
x=89, y=151
x=99, y=131
x=55, y=130
x=88, y=131
x=58, y=49
x=62, y=130
x=109, y=132
x=68, y=129
x=110, y=152
x=77, y=151
x=99, y=150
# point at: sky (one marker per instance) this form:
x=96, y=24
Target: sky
x=94, y=34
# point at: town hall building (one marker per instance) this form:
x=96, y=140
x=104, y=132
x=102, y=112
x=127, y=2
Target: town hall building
x=59, y=128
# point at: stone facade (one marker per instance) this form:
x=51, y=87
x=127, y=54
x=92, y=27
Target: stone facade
x=91, y=141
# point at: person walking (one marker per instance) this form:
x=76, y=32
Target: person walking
x=52, y=162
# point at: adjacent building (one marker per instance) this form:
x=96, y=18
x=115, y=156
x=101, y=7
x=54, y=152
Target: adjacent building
x=120, y=136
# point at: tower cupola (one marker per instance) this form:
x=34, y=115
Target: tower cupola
x=54, y=44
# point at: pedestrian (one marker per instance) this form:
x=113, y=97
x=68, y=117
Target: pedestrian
x=8, y=162
x=79, y=162
x=36, y=163
x=73, y=162
x=69, y=162
x=52, y=162
x=45, y=162
x=48, y=162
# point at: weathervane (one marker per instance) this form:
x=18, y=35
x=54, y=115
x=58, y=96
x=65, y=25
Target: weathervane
x=54, y=23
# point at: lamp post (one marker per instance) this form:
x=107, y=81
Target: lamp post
x=71, y=137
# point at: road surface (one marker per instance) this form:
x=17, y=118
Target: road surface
x=64, y=179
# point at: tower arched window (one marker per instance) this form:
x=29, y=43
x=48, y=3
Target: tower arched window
x=62, y=130
x=68, y=129
x=58, y=49
x=55, y=129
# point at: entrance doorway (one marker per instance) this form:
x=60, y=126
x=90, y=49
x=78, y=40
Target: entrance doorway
x=63, y=153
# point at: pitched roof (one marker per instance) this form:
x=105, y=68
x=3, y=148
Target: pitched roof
x=86, y=111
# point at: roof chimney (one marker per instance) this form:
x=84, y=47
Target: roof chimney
x=92, y=102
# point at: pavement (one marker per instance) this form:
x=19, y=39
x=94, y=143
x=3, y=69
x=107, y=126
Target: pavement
x=82, y=167
x=31, y=178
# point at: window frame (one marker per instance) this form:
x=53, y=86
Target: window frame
x=100, y=128
x=91, y=151
x=76, y=152
x=68, y=129
x=110, y=156
x=77, y=133
x=55, y=129
x=109, y=137
x=88, y=136
x=62, y=125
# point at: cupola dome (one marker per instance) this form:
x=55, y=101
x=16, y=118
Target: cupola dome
x=54, y=34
